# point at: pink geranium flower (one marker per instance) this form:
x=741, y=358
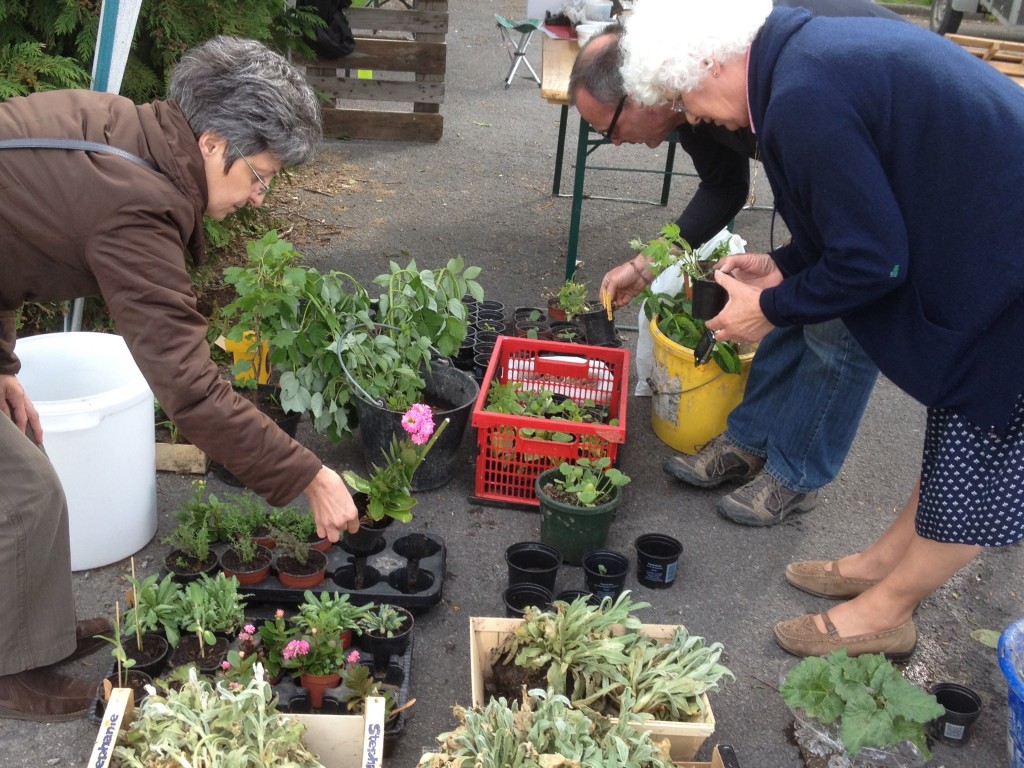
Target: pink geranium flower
x=418, y=421
x=295, y=648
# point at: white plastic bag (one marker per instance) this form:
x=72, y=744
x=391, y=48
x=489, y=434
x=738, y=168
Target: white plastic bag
x=670, y=281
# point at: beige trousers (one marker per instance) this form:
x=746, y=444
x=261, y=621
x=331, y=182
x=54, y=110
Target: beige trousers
x=37, y=605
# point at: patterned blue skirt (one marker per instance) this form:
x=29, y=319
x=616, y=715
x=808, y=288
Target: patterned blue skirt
x=972, y=482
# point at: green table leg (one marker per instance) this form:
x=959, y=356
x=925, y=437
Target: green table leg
x=556, y=188
x=577, y=199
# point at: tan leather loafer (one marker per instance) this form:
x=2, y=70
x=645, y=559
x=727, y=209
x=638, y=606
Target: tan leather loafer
x=43, y=695
x=801, y=637
x=813, y=577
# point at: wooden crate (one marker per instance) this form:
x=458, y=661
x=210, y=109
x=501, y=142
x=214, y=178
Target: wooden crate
x=182, y=458
x=1005, y=55
x=390, y=61
x=685, y=737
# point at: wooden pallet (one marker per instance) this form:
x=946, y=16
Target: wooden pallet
x=1005, y=55
x=389, y=61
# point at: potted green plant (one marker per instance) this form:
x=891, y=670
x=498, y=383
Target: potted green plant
x=201, y=723
x=124, y=676
x=317, y=658
x=673, y=313
x=297, y=564
x=299, y=522
x=860, y=707
x=196, y=530
x=211, y=611
x=386, y=495
x=359, y=683
x=301, y=313
x=247, y=561
x=333, y=613
x=274, y=635
x=386, y=632
x=151, y=621
x=577, y=505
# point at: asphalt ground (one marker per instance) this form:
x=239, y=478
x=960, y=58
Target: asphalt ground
x=484, y=192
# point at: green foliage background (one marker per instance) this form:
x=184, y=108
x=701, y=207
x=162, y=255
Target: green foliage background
x=50, y=44
x=47, y=44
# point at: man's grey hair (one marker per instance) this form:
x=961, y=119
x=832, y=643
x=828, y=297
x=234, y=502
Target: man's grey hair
x=251, y=97
x=597, y=69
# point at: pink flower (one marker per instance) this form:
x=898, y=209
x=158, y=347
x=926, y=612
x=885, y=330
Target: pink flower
x=249, y=629
x=295, y=648
x=225, y=665
x=353, y=657
x=243, y=636
x=418, y=421
x=279, y=613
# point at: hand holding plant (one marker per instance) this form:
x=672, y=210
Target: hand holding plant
x=389, y=487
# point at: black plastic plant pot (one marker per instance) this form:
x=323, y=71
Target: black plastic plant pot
x=519, y=597
x=657, y=559
x=962, y=707
x=604, y=572
x=709, y=299
x=596, y=327
x=533, y=562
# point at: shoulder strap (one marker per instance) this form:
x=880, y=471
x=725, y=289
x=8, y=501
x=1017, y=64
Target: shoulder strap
x=85, y=146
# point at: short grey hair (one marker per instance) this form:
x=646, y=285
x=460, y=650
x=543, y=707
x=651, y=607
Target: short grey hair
x=597, y=69
x=250, y=96
x=669, y=44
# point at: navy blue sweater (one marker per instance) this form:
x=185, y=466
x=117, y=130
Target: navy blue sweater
x=897, y=162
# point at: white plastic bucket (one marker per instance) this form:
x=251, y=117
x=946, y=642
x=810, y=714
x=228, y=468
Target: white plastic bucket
x=97, y=415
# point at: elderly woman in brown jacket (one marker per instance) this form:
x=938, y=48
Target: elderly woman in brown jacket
x=117, y=221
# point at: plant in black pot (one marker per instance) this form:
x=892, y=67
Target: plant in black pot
x=190, y=540
x=386, y=495
x=386, y=631
x=597, y=324
x=681, y=315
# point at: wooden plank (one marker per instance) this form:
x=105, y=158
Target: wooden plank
x=389, y=56
x=557, y=58
x=398, y=20
x=382, y=126
x=378, y=89
x=427, y=77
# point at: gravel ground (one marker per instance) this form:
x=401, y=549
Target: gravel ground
x=483, y=192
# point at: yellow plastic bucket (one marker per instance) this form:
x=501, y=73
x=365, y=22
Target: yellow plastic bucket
x=691, y=403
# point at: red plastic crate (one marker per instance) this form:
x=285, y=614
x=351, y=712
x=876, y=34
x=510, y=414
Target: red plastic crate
x=508, y=462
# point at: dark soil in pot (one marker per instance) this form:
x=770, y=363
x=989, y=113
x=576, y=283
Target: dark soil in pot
x=188, y=652
x=187, y=568
x=510, y=680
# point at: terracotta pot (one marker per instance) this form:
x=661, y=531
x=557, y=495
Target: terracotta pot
x=315, y=686
x=313, y=574
x=247, y=573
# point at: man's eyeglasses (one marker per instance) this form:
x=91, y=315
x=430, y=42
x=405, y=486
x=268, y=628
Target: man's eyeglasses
x=615, y=119
x=263, y=185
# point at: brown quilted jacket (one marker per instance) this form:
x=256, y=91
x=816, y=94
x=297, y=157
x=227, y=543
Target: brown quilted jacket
x=78, y=223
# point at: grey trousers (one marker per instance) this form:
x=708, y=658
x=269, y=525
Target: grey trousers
x=37, y=605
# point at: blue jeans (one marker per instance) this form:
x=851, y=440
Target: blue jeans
x=807, y=390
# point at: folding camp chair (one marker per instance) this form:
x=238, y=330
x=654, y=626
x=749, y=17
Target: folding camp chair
x=517, y=50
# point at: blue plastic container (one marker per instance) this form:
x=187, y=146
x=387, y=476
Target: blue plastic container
x=1011, y=661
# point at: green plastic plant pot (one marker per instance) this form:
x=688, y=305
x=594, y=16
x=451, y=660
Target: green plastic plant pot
x=573, y=530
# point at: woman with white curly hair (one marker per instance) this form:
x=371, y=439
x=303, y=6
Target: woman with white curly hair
x=877, y=139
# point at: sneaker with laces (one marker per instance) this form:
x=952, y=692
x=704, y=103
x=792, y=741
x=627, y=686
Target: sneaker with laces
x=715, y=463
x=764, y=501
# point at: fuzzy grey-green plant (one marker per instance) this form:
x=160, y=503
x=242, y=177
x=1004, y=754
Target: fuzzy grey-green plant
x=205, y=725
x=544, y=731
x=601, y=655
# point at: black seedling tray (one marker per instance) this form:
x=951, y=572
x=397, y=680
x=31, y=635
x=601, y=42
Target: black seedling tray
x=405, y=569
